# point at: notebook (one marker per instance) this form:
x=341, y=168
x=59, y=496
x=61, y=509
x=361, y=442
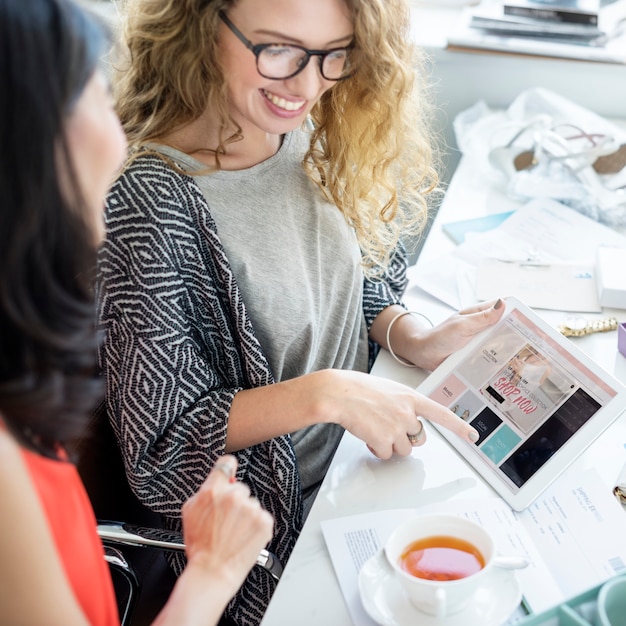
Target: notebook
x=458, y=230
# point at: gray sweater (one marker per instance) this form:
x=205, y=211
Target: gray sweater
x=298, y=266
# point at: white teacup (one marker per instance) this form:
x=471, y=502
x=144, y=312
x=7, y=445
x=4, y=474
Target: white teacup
x=611, y=603
x=440, y=597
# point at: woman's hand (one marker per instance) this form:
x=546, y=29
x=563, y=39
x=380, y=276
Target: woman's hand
x=381, y=412
x=224, y=531
x=224, y=527
x=429, y=347
x=437, y=343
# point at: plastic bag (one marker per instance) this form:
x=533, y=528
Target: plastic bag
x=544, y=145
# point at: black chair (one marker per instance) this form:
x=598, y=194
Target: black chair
x=134, y=538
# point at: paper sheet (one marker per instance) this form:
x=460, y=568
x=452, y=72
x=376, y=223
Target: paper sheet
x=573, y=537
x=549, y=231
x=557, y=286
x=542, y=232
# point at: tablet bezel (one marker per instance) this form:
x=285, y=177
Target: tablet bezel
x=568, y=452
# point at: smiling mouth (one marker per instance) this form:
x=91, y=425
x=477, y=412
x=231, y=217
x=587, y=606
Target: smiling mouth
x=281, y=103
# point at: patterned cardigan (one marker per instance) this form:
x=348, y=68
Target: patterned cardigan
x=178, y=345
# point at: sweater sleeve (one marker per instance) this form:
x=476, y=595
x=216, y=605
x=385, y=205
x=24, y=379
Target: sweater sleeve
x=172, y=351
x=381, y=293
x=178, y=345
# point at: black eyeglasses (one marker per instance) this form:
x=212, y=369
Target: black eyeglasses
x=279, y=61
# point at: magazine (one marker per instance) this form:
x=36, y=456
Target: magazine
x=573, y=11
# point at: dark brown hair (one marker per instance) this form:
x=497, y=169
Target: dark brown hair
x=49, y=49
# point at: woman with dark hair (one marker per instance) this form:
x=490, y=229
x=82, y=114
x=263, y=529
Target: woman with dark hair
x=62, y=146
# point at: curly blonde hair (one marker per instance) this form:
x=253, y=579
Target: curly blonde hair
x=371, y=150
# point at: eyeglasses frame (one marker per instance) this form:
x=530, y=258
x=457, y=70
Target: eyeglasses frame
x=258, y=49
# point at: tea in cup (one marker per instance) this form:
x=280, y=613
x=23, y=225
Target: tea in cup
x=440, y=560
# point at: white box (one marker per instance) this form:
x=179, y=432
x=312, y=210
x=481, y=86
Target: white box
x=611, y=277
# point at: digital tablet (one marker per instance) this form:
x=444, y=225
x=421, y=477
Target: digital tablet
x=536, y=400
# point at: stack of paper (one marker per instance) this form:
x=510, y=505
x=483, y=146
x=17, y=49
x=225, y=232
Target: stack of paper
x=585, y=12
x=533, y=27
x=544, y=254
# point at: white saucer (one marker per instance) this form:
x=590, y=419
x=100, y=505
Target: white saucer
x=385, y=602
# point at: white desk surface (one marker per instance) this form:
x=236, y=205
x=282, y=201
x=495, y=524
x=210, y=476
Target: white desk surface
x=308, y=593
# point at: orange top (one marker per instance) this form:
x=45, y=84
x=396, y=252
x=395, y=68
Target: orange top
x=73, y=526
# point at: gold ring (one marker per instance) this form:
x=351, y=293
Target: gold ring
x=418, y=436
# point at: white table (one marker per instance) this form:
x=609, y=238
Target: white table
x=308, y=593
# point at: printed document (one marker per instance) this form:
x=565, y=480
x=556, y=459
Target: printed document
x=573, y=537
x=544, y=254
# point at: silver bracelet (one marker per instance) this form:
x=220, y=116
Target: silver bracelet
x=393, y=321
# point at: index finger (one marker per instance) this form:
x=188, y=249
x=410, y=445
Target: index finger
x=437, y=413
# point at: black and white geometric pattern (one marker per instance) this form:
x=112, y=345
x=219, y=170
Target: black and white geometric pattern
x=178, y=346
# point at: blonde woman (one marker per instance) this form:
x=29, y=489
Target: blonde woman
x=253, y=264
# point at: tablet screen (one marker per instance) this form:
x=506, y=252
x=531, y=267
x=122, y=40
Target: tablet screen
x=526, y=393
